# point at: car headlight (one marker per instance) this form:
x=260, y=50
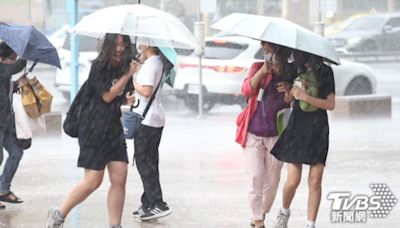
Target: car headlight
x=354, y=40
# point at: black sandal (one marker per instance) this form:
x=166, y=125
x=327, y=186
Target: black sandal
x=2, y=206
x=6, y=198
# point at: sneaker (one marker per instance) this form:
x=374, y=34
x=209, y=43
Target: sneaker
x=158, y=211
x=140, y=211
x=281, y=220
x=54, y=219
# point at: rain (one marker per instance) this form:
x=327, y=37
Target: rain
x=203, y=171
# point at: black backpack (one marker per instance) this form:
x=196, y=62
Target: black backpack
x=71, y=122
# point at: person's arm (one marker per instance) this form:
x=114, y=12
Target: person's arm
x=18, y=66
x=116, y=89
x=284, y=87
x=301, y=94
x=147, y=78
x=260, y=74
x=251, y=85
x=144, y=90
x=119, y=86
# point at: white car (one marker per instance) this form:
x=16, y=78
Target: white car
x=87, y=53
x=225, y=65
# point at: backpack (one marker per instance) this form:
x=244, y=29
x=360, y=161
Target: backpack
x=71, y=122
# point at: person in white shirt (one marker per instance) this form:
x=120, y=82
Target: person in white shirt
x=149, y=134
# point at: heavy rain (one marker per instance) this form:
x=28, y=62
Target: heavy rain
x=203, y=172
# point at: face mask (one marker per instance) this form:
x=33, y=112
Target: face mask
x=270, y=57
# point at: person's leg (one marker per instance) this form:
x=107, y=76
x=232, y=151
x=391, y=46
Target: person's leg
x=141, y=158
x=2, y=133
x=116, y=195
x=314, y=186
x=272, y=176
x=146, y=158
x=292, y=182
x=11, y=165
x=254, y=154
x=289, y=190
x=2, y=206
x=91, y=181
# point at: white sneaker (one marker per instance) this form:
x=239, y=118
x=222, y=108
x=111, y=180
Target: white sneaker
x=53, y=221
x=281, y=220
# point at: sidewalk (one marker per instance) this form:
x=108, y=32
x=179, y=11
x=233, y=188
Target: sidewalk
x=203, y=177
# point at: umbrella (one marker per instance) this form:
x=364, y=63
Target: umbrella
x=279, y=31
x=170, y=54
x=138, y=21
x=29, y=44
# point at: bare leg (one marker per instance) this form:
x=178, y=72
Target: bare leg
x=292, y=182
x=116, y=194
x=314, y=186
x=91, y=181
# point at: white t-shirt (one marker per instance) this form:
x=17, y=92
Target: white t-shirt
x=150, y=74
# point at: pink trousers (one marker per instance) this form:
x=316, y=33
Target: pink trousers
x=264, y=172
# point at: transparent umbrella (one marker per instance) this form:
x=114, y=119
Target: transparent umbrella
x=138, y=21
x=279, y=31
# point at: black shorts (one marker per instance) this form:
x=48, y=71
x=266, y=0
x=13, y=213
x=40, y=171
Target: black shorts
x=96, y=157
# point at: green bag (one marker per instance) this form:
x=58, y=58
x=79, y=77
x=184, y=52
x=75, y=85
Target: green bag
x=282, y=119
x=310, y=83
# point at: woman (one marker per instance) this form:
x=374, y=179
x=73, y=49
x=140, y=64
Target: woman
x=9, y=65
x=257, y=129
x=148, y=137
x=101, y=138
x=306, y=138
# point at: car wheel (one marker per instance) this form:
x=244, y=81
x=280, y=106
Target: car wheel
x=369, y=46
x=358, y=86
x=192, y=102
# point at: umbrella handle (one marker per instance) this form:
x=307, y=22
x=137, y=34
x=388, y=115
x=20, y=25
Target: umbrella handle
x=135, y=106
x=33, y=66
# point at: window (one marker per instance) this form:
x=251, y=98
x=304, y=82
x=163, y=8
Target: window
x=259, y=54
x=86, y=43
x=222, y=49
x=394, y=22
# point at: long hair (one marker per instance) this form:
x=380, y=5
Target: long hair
x=315, y=63
x=104, y=59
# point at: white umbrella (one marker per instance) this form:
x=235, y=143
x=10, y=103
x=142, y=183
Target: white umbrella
x=138, y=21
x=279, y=31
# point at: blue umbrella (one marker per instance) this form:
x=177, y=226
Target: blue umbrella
x=29, y=44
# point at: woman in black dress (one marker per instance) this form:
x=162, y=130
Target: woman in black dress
x=306, y=138
x=101, y=137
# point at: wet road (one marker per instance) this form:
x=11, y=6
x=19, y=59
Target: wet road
x=203, y=175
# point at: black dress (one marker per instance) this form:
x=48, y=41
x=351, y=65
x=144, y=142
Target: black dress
x=306, y=138
x=101, y=137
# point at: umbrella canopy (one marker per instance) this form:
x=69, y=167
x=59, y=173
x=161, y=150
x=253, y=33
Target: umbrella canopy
x=29, y=43
x=279, y=31
x=138, y=21
x=170, y=54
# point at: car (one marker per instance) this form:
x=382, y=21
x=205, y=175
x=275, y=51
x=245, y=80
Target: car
x=340, y=26
x=225, y=65
x=88, y=51
x=88, y=47
x=372, y=33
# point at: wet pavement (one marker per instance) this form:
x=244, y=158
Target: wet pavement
x=203, y=175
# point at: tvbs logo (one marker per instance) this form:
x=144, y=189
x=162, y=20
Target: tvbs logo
x=353, y=209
